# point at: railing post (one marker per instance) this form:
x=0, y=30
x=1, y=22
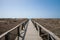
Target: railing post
x=39, y=30
x=52, y=38
x=7, y=36
x=36, y=26
x=18, y=32
x=22, y=26
x=49, y=37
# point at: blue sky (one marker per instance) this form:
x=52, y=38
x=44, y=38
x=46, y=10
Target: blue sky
x=29, y=8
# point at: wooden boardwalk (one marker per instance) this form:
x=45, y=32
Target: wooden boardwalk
x=32, y=33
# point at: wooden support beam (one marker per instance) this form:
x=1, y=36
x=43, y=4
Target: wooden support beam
x=39, y=31
x=7, y=36
x=36, y=26
x=18, y=32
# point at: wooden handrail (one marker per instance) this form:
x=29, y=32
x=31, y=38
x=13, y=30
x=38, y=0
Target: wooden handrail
x=11, y=29
x=49, y=32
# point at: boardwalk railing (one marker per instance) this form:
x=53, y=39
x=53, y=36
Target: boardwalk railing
x=40, y=28
x=6, y=34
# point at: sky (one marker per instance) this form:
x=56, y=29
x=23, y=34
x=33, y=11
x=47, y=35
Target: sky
x=29, y=8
